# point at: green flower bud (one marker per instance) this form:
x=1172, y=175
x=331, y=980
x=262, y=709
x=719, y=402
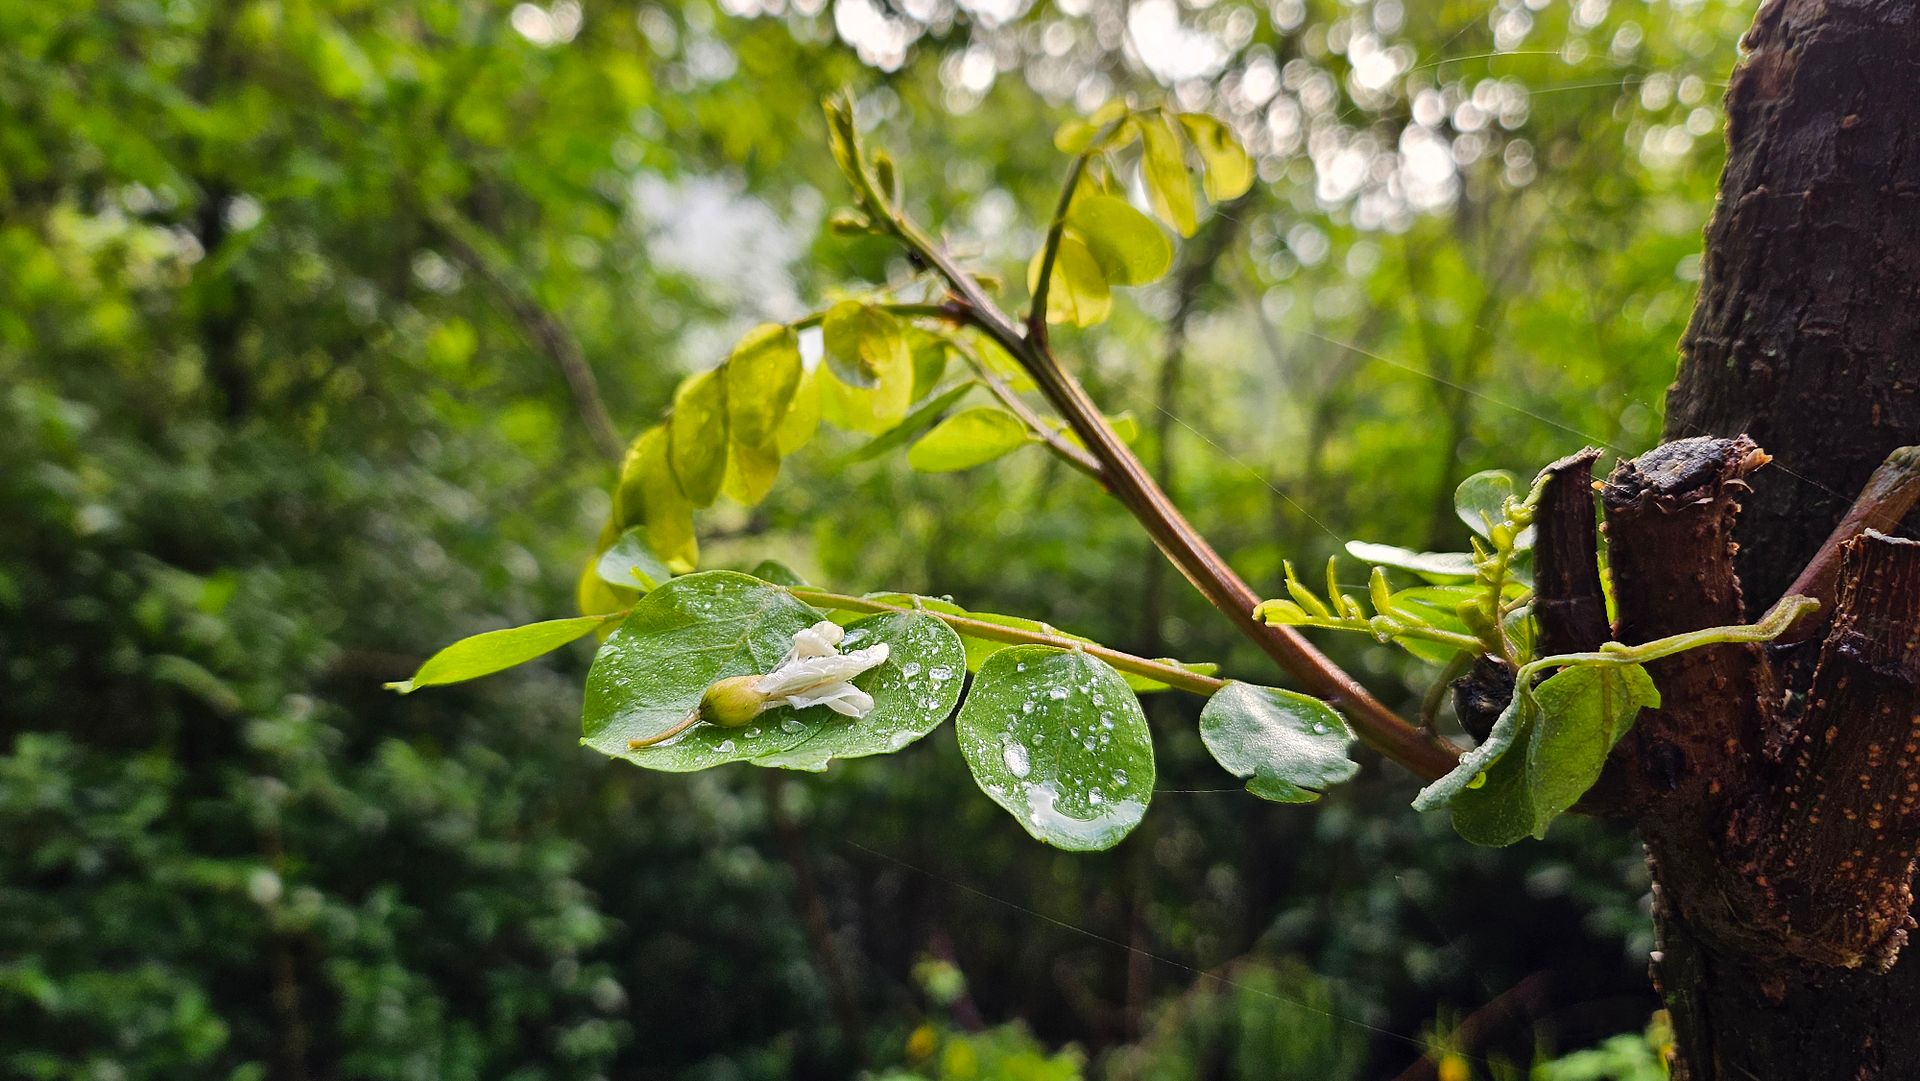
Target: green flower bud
x=732, y=702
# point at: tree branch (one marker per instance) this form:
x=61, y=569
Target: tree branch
x=1568, y=602
x=1423, y=753
x=1840, y=861
x=539, y=328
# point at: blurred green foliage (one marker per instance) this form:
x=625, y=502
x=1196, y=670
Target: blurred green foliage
x=281, y=408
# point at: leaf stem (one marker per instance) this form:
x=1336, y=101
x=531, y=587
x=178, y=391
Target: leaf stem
x=1172, y=675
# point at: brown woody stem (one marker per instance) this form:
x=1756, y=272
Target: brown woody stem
x=1422, y=752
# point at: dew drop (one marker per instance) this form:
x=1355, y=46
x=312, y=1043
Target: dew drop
x=1015, y=756
x=910, y=669
x=727, y=746
x=1057, y=693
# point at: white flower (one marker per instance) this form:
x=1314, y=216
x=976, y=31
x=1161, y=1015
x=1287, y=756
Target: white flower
x=815, y=673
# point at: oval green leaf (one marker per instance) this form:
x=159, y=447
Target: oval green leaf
x=1229, y=170
x=648, y=495
x=1163, y=169
x=630, y=564
x=912, y=693
x=1128, y=246
x=1056, y=739
x=1433, y=566
x=1481, y=499
x=762, y=375
x=1079, y=293
x=697, y=436
x=969, y=438
x=1584, y=710
x=1288, y=747
x=496, y=651
x=865, y=346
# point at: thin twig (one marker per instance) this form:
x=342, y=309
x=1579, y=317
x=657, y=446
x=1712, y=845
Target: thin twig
x=1046, y=433
x=1423, y=753
x=539, y=328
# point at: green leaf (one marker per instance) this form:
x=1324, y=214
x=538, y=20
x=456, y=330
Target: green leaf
x=1128, y=246
x=630, y=564
x=751, y=471
x=916, y=422
x=865, y=346
x=1163, y=169
x=929, y=361
x=1055, y=737
x=1079, y=293
x=680, y=639
x=1584, y=710
x=912, y=693
x=1481, y=499
x=1287, y=746
x=496, y=651
x=697, y=436
x=1080, y=136
x=1229, y=170
x=772, y=570
x=762, y=375
x=701, y=628
x=1500, y=811
x=1433, y=566
x=803, y=416
x=649, y=495
x=966, y=439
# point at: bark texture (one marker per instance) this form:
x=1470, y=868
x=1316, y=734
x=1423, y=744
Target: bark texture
x=1783, y=864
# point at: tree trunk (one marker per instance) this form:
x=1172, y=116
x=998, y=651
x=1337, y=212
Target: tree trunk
x=1777, y=788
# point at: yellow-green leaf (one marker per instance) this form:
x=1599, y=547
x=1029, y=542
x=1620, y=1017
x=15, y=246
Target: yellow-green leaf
x=761, y=377
x=1129, y=247
x=650, y=496
x=1163, y=168
x=865, y=345
x=751, y=471
x=1079, y=293
x=496, y=651
x=803, y=415
x=1229, y=171
x=1080, y=136
x=697, y=435
x=966, y=439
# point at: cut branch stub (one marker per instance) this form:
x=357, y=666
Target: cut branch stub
x=1840, y=860
x=1670, y=516
x=1568, y=603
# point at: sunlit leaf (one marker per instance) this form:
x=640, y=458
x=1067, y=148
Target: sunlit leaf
x=922, y=418
x=1287, y=746
x=866, y=346
x=697, y=436
x=762, y=375
x=1584, y=711
x=1229, y=170
x=1078, y=293
x=967, y=439
x=1481, y=499
x=1129, y=248
x=803, y=415
x=1055, y=737
x=751, y=471
x=929, y=361
x=496, y=651
x=1433, y=566
x=1163, y=169
x=913, y=692
x=1079, y=136
x=648, y=495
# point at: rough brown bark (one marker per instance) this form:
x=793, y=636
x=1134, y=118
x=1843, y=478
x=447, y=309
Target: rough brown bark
x=1781, y=892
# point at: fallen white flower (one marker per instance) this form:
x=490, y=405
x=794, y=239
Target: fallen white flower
x=815, y=673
